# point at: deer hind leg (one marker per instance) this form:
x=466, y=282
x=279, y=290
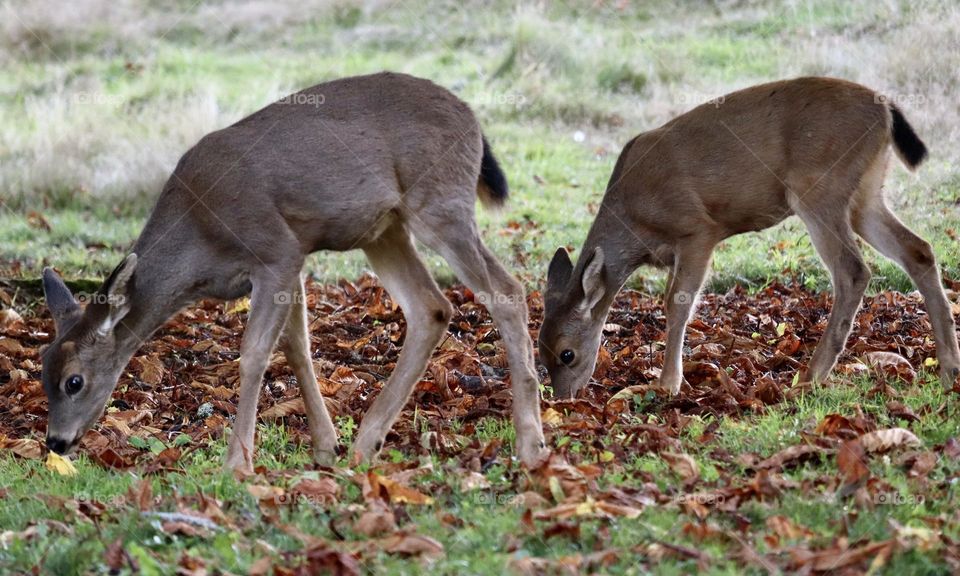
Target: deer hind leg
x=691, y=262
x=504, y=297
x=396, y=262
x=832, y=236
x=876, y=224
x=268, y=313
x=296, y=348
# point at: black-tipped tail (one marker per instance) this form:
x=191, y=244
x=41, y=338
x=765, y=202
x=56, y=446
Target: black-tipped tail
x=910, y=147
x=492, y=188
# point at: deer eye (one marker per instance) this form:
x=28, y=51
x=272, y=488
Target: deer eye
x=567, y=357
x=73, y=384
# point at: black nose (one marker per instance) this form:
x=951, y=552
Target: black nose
x=58, y=445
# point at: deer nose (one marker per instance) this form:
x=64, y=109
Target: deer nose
x=58, y=445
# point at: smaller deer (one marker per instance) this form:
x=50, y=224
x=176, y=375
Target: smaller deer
x=368, y=162
x=814, y=147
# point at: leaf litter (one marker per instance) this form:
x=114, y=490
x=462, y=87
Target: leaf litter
x=178, y=395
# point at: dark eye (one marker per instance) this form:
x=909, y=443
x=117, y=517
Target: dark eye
x=567, y=357
x=73, y=384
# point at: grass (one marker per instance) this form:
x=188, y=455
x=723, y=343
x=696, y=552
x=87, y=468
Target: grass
x=98, y=100
x=98, y=106
x=482, y=545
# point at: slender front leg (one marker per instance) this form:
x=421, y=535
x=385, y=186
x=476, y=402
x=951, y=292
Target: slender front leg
x=394, y=258
x=690, y=268
x=268, y=312
x=296, y=347
x=832, y=236
x=508, y=307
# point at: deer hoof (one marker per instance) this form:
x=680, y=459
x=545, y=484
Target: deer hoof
x=325, y=457
x=949, y=376
x=672, y=385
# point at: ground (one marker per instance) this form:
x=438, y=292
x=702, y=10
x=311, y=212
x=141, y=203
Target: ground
x=743, y=470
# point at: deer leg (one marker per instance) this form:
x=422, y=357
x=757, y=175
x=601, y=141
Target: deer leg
x=884, y=231
x=296, y=348
x=504, y=297
x=268, y=313
x=508, y=307
x=832, y=236
x=689, y=270
x=396, y=262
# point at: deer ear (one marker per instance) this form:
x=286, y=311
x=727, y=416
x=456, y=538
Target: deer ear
x=592, y=280
x=558, y=276
x=63, y=306
x=116, y=291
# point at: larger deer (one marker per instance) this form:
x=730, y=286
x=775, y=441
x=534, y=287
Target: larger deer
x=368, y=162
x=814, y=147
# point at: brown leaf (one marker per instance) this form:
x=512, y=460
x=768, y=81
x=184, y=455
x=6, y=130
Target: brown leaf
x=151, y=369
x=683, y=465
x=23, y=447
x=142, y=495
x=891, y=365
x=885, y=440
x=321, y=492
x=284, y=409
x=384, y=488
x=790, y=455
x=376, y=520
x=116, y=558
x=851, y=462
x=410, y=544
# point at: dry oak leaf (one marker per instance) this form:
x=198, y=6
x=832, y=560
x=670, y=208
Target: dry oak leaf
x=284, y=409
x=22, y=447
x=383, y=488
x=888, y=439
x=891, y=364
x=789, y=455
x=323, y=491
x=151, y=369
x=376, y=520
x=410, y=544
x=683, y=465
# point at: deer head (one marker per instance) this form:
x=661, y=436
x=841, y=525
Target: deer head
x=573, y=320
x=82, y=365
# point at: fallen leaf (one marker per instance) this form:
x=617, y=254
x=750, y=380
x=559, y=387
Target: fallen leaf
x=683, y=465
x=60, y=465
x=885, y=440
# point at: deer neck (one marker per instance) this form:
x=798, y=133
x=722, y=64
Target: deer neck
x=162, y=285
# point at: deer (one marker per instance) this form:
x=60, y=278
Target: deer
x=372, y=162
x=817, y=148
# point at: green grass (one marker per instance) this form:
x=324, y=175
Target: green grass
x=481, y=545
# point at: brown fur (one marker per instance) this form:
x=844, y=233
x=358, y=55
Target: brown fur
x=814, y=147
x=366, y=162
